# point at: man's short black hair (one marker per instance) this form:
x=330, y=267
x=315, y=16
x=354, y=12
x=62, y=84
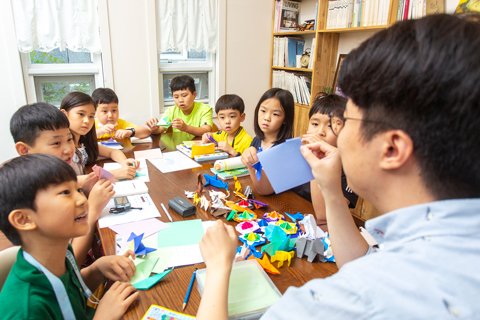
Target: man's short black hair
x=325, y=104
x=230, y=101
x=20, y=180
x=182, y=83
x=105, y=96
x=423, y=77
x=27, y=122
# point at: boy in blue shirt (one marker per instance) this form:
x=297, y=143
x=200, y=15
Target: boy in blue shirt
x=187, y=115
x=41, y=208
x=409, y=144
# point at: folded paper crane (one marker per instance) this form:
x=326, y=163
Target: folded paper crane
x=135, y=244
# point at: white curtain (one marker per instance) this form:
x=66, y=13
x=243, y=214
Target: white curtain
x=44, y=25
x=187, y=24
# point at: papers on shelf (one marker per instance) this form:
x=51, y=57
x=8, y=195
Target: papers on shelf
x=149, y=210
x=173, y=161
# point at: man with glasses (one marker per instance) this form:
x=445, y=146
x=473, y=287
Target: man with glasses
x=410, y=145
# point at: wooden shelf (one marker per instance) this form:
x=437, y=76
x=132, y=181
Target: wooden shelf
x=301, y=105
x=292, y=69
x=356, y=29
x=293, y=33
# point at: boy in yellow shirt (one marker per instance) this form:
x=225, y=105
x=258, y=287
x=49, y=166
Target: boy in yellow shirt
x=187, y=115
x=230, y=113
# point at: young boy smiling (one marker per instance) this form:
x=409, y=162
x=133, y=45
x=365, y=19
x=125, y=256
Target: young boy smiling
x=230, y=113
x=41, y=208
x=187, y=115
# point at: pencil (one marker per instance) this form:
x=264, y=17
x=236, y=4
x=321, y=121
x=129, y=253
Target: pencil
x=166, y=211
x=189, y=290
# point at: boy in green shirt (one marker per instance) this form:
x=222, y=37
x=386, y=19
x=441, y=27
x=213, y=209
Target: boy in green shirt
x=187, y=115
x=41, y=208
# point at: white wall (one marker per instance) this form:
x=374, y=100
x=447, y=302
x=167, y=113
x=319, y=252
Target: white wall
x=12, y=90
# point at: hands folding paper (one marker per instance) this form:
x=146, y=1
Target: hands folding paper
x=135, y=244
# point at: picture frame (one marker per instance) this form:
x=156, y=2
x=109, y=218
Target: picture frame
x=335, y=89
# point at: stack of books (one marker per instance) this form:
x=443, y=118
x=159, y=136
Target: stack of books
x=286, y=16
x=285, y=51
x=299, y=85
x=411, y=9
x=186, y=150
x=357, y=13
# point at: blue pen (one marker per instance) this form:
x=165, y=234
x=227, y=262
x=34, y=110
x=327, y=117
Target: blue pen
x=189, y=289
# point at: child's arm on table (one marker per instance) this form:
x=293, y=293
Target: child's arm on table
x=249, y=158
x=179, y=124
x=106, y=129
x=129, y=166
x=326, y=165
x=218, y=247
x=101, y=193
x=140, y=132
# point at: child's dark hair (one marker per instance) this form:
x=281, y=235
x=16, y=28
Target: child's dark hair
x=104, y=95
x=286, y=101
x=325, y=104
x=182, y=83
x=30, y=120
x=21, y=179
x=422, y=77
x=230, y=101
x=77, y=99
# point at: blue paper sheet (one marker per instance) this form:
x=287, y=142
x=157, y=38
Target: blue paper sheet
x=285, y=165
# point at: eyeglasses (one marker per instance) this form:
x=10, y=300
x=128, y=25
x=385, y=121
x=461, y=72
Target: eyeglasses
x=337, y=121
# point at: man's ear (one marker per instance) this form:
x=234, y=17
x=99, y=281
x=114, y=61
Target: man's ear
x=397, y=149
x=22, y=148
x=242, y=117
x=20, y=219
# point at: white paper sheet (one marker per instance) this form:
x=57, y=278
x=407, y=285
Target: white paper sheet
x=174, y=161
x=140, y=200
x=185, y=256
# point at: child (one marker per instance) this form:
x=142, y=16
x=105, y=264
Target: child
x=273, y=125
x=319, y=129
x=230, y=113
x=107, y=123
x=79, y=108
x=41, y=208
x=42, y=128
x=187, y=115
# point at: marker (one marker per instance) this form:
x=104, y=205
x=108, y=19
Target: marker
x=189, y=290
x=166, y=211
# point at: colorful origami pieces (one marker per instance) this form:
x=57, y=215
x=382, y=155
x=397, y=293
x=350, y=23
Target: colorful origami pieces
x=248, y=192
x=236, y=207
x=273, y=216
x=279, y=240
x=242, y=253
x=310, y=248
x=190, y=194
x=214, y=181
x=103, y=174
x=282, y=256
x=295, y=217
x=266, y=265
x=258, y=204
x=204, y=203
x=288, y=227
x=245, y=216
x=252, y=239
x=199, y=183
x=245, y=204
x=247, y=227
x=164, y=123
x=238, y=186
x=151, y=281
x=219, y=212
x=258, y=166
x=312, y=231
x=135, y=244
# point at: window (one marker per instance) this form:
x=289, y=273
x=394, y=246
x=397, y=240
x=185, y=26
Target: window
x=49, y=76
x=199, y=65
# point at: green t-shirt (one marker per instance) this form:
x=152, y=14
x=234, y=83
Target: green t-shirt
x=27, y=293
x=201, y=115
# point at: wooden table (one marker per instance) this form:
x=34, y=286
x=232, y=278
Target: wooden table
x=170, y=291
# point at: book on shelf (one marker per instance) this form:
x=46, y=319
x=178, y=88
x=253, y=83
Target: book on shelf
x=286, y=15
x=357, y=13
x=312, y=54
x=298, y=84
x=285, y=51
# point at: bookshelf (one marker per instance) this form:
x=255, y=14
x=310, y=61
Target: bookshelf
x=324, y=53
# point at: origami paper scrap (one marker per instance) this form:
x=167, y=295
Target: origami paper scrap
x=252, y=239
x=245, y=216
x=282, y=174
x=273, y=216
x=135, y=244
x=164, y=123
x=247, y=227
x=214, y=181
x=103, y=174
x=266, y=265
x=296, y=216
x=288, y=227
x=198, y=150
x=151, y=281
x=189, y=194
x=238, y=186
x=282, y=256
x=143, y=269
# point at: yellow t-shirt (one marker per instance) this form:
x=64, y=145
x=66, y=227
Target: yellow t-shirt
x=241, y=141
x=121, y=125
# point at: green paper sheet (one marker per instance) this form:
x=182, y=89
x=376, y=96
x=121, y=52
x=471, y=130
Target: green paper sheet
x=151, y=281
x=144, y=268
x=180, y=233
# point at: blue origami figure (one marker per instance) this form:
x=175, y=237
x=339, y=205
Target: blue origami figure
x=258, y=166
x=213, y=181
x=136, y=245
x=296, y=216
